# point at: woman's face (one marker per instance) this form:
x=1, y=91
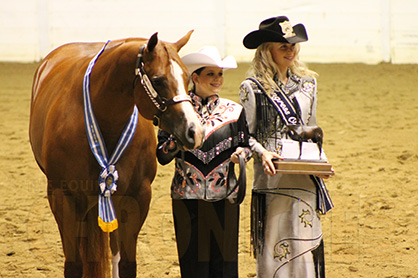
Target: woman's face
x=209, y=82
x=283, y=54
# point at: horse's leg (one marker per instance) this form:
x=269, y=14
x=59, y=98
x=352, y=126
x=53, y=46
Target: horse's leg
x=94, y=247
x=64, y=210
x=114, y=246
x=319, y=144
x=300, y=149
x=131, y=211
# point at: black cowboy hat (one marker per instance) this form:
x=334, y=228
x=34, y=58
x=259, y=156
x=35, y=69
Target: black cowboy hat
x=276, y=29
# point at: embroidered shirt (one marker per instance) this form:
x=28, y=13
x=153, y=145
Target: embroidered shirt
x=203, y=172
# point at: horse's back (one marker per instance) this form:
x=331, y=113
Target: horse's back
x=67, y=64
x=57, y=102
x=62, y=62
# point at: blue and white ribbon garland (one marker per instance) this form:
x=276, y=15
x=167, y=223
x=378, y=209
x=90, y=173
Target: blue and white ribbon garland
x=108, y=176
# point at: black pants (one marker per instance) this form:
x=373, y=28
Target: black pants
x=207, y=238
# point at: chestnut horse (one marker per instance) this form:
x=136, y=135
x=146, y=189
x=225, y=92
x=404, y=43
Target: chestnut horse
x=128, y=73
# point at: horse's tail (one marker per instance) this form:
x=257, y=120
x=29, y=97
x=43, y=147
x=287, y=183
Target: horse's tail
x=95, y=249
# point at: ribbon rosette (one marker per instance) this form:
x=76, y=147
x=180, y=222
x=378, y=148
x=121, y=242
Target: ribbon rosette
x=107, y=185
x=107, y=181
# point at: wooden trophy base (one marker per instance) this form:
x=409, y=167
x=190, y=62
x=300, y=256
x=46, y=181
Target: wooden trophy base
x=300, y=167
x=311, y=162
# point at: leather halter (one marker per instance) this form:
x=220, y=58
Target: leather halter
x=159, y=102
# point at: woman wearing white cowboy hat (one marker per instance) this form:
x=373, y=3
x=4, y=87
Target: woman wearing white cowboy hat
x=205, y=198
x=286, y=230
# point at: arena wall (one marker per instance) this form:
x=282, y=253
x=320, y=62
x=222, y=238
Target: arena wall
x=355, y=31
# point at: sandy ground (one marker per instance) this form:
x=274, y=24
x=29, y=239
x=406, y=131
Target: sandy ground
x=369, y=115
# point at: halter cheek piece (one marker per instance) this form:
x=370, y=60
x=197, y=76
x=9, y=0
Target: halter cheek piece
x=159, y=102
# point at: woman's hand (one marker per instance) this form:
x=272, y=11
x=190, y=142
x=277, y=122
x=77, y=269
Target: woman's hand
x=326, y=176
x=267, y=162
x=170, y=145
x=234, y=156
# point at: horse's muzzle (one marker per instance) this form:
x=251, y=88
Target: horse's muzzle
x=194, y=136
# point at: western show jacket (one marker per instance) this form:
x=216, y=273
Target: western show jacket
x=202, y=173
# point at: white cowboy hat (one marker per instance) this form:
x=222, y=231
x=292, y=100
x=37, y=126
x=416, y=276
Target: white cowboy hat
x=207, y=56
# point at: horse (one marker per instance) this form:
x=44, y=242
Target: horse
x=140, y=74
x=303, y=133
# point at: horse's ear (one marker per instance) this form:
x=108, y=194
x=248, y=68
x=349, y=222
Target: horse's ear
x=181, y=42
x=152, y=42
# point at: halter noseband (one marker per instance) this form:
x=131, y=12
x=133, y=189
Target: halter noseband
x=159, y=102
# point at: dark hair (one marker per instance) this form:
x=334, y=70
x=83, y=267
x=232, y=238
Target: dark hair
x=199, y=70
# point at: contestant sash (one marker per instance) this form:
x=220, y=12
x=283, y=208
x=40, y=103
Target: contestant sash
x=323, y=198
x=282, y=104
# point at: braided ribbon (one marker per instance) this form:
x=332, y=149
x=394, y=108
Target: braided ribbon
x=108, y=176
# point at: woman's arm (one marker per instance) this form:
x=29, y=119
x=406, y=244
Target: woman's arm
x=247, y=100
x=312, y=119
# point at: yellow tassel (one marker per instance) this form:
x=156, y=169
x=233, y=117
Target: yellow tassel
x=107, y=226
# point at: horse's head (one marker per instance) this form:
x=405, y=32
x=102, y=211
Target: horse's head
x=164, y=80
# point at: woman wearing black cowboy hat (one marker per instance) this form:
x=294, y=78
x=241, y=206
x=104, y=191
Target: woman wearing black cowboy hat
x=280, y=91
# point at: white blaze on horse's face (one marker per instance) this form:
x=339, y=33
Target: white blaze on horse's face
x=194, y=129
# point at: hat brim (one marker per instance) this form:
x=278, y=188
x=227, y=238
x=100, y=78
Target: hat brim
x=256, y=38
x=195, y=61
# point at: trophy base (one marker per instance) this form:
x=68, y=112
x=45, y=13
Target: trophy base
x=300, y=167
x=309, y=162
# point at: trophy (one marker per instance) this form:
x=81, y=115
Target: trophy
x=303, y=154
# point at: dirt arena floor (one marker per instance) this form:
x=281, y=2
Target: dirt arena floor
x=369, y=114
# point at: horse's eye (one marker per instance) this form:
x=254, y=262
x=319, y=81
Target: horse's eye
x=159, y=82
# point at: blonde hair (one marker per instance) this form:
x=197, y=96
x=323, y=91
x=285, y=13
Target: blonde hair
x=264, y=68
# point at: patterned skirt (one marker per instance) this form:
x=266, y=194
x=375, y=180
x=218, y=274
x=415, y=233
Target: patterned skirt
x=286, y=228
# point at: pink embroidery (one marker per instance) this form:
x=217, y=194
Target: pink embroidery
x=216, y=177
